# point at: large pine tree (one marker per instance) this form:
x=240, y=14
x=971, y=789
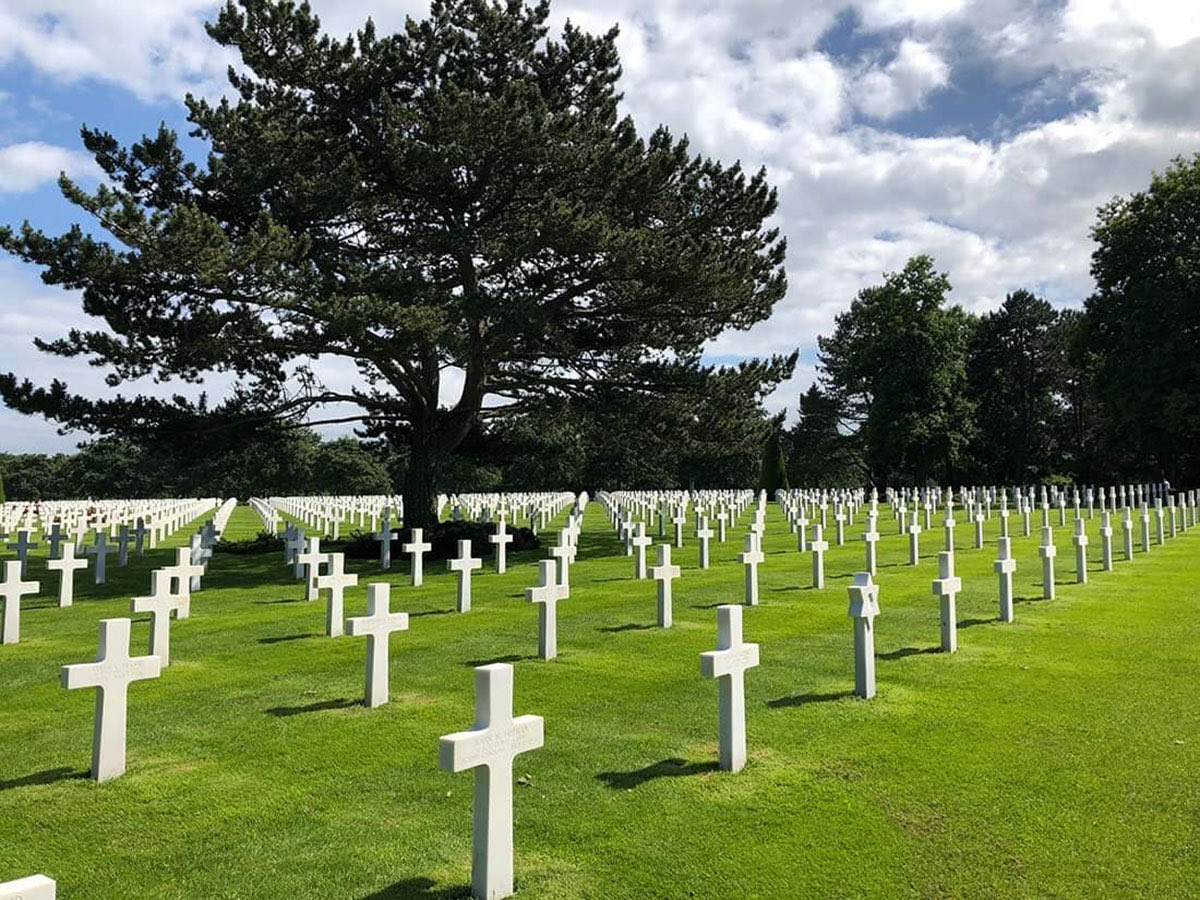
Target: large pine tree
x=463, y=195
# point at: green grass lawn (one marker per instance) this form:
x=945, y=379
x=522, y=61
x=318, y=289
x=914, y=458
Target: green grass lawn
x=1057, y=756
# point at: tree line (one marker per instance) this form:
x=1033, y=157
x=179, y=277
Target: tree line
x=913, y=390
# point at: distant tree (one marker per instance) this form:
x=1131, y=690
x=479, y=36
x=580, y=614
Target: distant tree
x=896, y=368
x=2, y=496
x=820, y=454
x=345, y=466
x=772, y=474
x=1016, y=376
x=1081, y=440
x=1144, y=325
x=462, y=194
x=34, y=476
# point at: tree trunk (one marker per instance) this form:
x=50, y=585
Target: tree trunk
x=420, y=491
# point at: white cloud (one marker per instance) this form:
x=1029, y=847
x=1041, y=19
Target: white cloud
x=903, y=84
x=29, y=165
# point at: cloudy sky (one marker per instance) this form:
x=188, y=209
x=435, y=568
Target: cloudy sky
x=984, y=133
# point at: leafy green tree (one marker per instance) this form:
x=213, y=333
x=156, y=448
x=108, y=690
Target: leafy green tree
x=2, y=495
x=345, y=466
x=896, y=368
x=461, y=194
x=772, y=474
x=1144, y=322
x=1016, y=374
x=34, y=476
x=821, y=455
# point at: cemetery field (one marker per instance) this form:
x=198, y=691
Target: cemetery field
x=1055, y=756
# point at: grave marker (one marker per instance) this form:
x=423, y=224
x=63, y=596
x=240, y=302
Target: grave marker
x=864, y=607
x=547, y=594
x=12, y=589
x=489, y=748
x=377, y=626
x=111, y=675
x=946, y=588
x=463, y=566
x=67, y=564
x=336, y=580
x=728, y=664
x=416, y=548
x=664, y=573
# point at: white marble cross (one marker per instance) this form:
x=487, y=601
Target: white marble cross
x=32, y=887
x=111, y=674
x=563, y=553
x=704, y=534
x=1047, y=551
x=385, y=536
x=183, y=575
x=159, y=604
x=948, y=531
x=139, y=536
x=1106, y=535
x=946, y=589
x=490, y=748
x=416, y=548
x=664, y=573
x=312, y=559
x=978, y=518
x=801, y=534
x=638, y=543
x=864, y=607
x=871, y=538
x=1081, y=543
x=750, y=557
x=23, y=545
x=501, y=539
x=818, y=545
x=840, y=519
x=56, y=538
x=67, y=564
x=1004, y=567
x=377, y=626
x=464, y=565
x=722, y=520
x=100, y=549
x=547, y=594
x=679, y=520
x=914, y=542
x=336, y=580
x=12, y=589
x=293, y=547
x=1127, y=534
x=728, y=664
x=201, y=554
x=1145, y=520
x=124, y=539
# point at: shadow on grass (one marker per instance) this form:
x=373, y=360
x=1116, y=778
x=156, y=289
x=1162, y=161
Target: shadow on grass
x=286, y=637
x=49, y=776
x=511, y=658
x=419, y=889
x=708, y=605
x=430, y=612
x=322, y=706
x=971, y=623
x=907, y=651
x=667, y=768
x=1017, y=600
x=802, y=699
x=628, y=626
x=281, y=600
